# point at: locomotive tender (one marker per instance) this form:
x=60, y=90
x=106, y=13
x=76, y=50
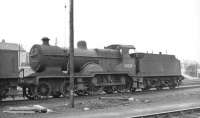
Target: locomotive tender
x=110, y=69
x=9, y=72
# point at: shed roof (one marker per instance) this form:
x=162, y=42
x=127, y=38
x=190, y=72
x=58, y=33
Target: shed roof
x=10, y=46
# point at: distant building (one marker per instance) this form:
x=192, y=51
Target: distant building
x=191, y=68
x=198, y=73
x=22, y=54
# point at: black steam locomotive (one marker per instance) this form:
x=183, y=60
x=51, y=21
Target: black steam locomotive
x=9, y=72
x=110, y=69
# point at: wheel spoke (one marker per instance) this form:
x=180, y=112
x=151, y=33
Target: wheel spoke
x=44, y=89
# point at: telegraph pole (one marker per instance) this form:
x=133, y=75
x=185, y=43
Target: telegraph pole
x=71, y=54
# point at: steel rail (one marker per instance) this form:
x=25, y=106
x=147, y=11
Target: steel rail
x=180, y=111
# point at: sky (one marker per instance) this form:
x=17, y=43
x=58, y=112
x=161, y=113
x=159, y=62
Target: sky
x=167, y=26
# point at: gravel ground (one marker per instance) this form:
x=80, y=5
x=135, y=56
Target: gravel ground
x=95, y=105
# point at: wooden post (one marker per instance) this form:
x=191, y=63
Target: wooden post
x=71, y=68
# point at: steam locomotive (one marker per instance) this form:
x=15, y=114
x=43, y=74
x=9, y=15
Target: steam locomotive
x=110, y=69
x=9, y=73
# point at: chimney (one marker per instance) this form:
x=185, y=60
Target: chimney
x=3, y=41
x=82, y=45
x=45, y=41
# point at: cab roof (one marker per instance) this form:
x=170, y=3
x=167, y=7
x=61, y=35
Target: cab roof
x=118, y=46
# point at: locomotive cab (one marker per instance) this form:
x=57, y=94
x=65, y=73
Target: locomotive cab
x=127, y=64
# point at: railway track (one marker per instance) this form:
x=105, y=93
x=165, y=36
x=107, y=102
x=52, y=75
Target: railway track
x=192, y=112
x=25, y=101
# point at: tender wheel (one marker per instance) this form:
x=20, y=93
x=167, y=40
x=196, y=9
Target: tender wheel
x=147, y=84
x=132, y=90
x=44, y=89
x=94, y=90
x=65, y=89
x=159, y=88
x=108, y=89
x=3, y=93
x=145, y=89
x=121, y=89
x=56, y=94
x=81, y=93
x=172, y=85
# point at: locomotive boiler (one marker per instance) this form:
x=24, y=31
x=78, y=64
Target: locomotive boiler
x=110, y=69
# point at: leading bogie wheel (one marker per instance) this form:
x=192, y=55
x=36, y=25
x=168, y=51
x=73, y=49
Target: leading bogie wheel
x=44, y=89
x=30, y=92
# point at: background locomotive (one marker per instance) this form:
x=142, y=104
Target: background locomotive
x=110, y=69
x=9, y=72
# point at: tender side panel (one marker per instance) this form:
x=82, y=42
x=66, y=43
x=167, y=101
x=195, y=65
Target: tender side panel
x=158, y=65
x=8, y=73
x=8, y=64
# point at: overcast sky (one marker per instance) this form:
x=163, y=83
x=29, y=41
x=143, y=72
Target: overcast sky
x=171, y=26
